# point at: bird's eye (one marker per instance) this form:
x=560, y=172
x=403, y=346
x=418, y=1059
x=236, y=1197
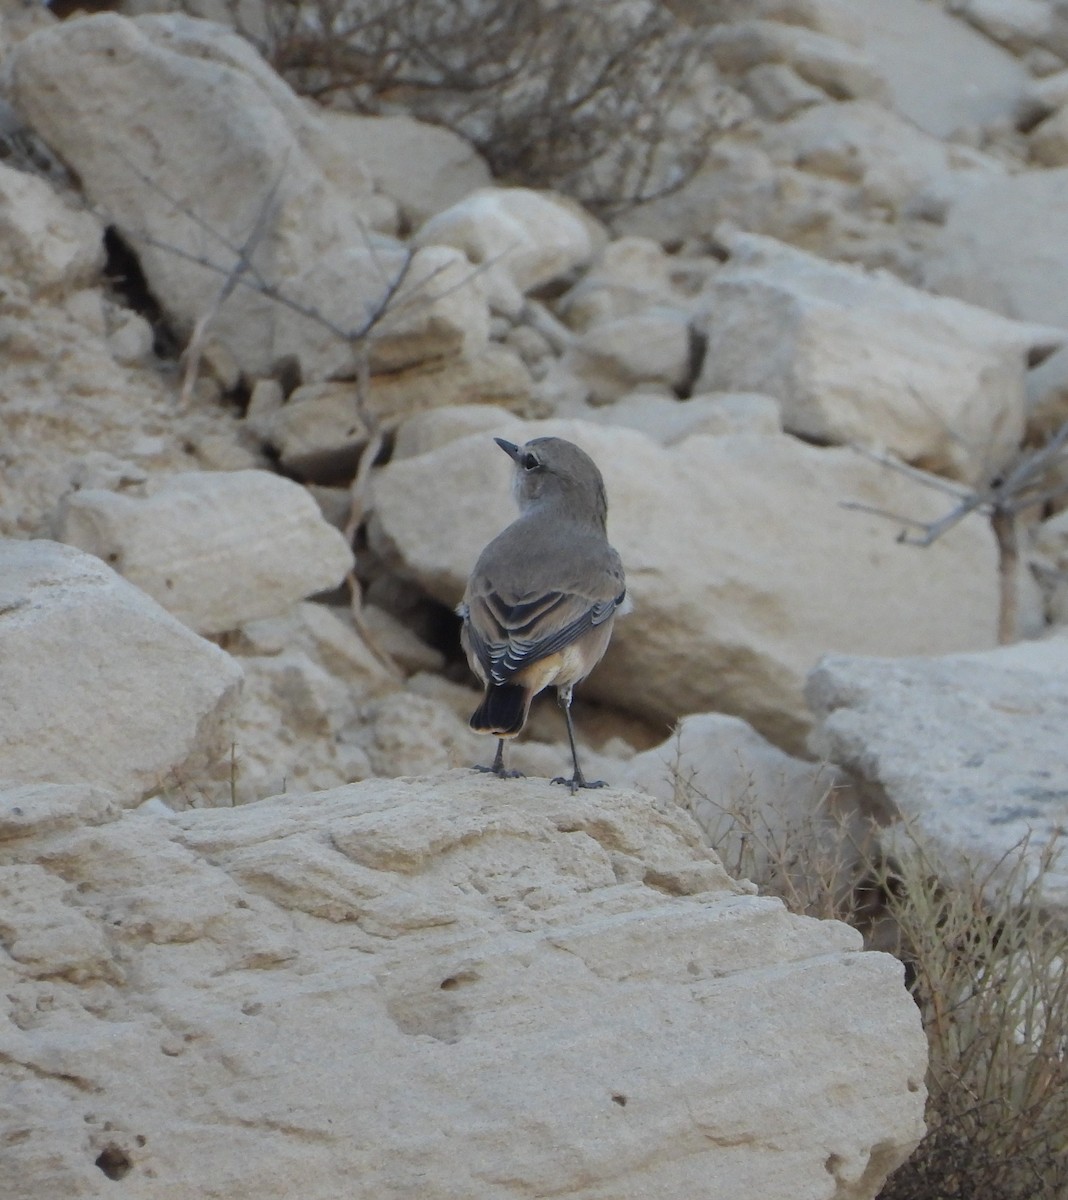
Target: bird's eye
x=530, y=463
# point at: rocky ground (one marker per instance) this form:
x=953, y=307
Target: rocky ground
x=260, y=931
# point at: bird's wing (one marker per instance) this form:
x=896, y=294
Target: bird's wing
x=509, y=631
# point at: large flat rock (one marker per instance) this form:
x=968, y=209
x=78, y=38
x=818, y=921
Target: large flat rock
x=436, y=987
x=969, y=748
x=1004, y=245
x=942, y=74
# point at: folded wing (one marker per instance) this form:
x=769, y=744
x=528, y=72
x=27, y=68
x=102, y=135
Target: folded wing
x=509, y=633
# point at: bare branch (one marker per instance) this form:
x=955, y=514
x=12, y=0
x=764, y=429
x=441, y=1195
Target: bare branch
x=925, y=478
x=875, y=511
x=242, y=263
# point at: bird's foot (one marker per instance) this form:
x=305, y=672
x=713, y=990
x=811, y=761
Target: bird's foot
x=578, y=781
x=500, y=772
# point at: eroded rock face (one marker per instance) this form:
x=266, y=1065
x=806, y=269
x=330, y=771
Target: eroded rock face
x=187, y=140
x=436, y=987
x=44, y=241
x=969, y=748
x=1022, y=277
x=943, y=76
x=856, y=357
x=102, y=686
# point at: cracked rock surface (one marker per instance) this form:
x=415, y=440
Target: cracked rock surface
x=325, y=991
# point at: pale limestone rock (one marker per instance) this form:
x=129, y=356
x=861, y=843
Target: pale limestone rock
x=308, y=676
x=667, y=420
x=266, y=398
x=521, y=238
x=842, y=71
x=899, y=166
x=532, y=346
x=832, y=17
x=105, y=688
x=439, y=310
x=741, y=561
x=1041, y=98
x=1049, y=540
x=969, y=749
x=558, y=393
x=754, y=803
x=317, y=433
x=40, y=808
x=166, y=107
x=1042, y=61
x=287, y=731
x=214, y=548
x=408, y=308
x=1049, y=140
x=1005, y=246
x=629, y=275
x=541, y=994
x=941, y=74
x=424, y=168
x=1047, y=394
x=428, y=430
x=77, y=374
x=858, y=357
x=778, y=91
x=650, y=348
x=131, y=342
x=1016, y=24
x=403, y=646
x=320, y=431
x=89, y=310
x=43, y=241
x=409, y=734
x=496, y=375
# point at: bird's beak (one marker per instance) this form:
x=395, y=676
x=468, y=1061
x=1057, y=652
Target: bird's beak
x=510, y=448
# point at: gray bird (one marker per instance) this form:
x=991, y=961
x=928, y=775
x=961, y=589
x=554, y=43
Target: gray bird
x=540, y=603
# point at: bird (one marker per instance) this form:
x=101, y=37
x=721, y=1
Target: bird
x=539, y=607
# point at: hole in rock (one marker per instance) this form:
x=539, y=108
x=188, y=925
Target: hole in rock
x=115, y=1163
x=620, y=1099
x=454, y=981
x=80, y=8
x=123, y=269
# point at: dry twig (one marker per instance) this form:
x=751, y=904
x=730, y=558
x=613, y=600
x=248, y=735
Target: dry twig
x=1035, y=478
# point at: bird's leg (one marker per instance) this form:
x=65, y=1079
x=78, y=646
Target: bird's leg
x=498, y=767
x=578, y=780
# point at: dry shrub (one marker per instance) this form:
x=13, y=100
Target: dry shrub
x=985, y=963
x=612, y=103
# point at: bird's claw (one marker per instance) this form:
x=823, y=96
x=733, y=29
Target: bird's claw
x=577, y=781
x=500, y=772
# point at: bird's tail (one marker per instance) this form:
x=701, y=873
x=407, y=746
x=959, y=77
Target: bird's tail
x=503, y=710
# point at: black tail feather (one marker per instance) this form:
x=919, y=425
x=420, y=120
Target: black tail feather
x=503, y=710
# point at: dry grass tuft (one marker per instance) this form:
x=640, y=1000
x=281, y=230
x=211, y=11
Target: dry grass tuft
x=988, y=976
